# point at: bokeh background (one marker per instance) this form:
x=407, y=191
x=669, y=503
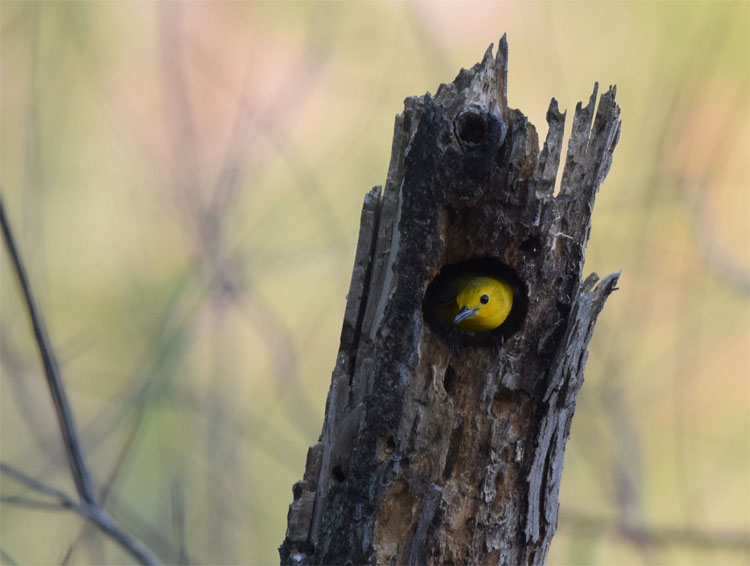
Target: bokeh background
x=185, y=182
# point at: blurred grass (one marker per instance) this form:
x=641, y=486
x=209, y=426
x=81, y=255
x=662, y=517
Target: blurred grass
x=186, y=180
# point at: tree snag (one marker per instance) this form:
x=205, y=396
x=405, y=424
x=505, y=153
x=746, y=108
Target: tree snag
x=441, y=446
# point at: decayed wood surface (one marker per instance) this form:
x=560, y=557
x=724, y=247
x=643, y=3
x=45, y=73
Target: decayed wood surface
x=438, y=446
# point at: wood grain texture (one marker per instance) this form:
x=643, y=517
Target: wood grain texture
x=440, y=446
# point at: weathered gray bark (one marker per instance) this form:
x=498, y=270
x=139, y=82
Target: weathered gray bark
x=440, y=446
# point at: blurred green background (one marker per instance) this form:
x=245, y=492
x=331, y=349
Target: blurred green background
x=185, y=181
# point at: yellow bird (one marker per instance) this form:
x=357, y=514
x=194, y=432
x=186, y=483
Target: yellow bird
x=476, y=303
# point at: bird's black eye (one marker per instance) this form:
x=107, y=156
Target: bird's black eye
x=484, y=299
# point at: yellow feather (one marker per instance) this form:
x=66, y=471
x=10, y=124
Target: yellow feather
x=480, y=303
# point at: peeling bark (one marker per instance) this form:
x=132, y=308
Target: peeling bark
x=440, y=446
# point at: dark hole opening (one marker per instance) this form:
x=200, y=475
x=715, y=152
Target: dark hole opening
x=531, y=246
x=471, y=127
x=454, y=449
x=338, y=473
x=449, y=380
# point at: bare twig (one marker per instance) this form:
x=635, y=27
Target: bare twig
x=708, y=242
x=31, y=503
x=7, y=558
x=65, y=417
x=107, y=486
x=651, y=536
x=88, y=506
x=178, y=522
x=92, y=512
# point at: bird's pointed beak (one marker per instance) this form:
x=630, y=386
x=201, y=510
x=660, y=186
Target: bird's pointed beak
x=464, y=313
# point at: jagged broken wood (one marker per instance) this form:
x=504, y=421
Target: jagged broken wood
x=439, y=447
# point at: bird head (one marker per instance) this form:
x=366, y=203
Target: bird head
x=483, y=304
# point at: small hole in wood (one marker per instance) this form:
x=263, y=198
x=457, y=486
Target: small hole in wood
x=338, y=474
x=471, y=127
x=449, y=380
x=386, y=447
x=500, y=479
x=505, y=453
x=454, y=450
x=531, y=246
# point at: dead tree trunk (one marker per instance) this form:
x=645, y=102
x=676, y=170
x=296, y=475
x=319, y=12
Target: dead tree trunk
x=440, y=446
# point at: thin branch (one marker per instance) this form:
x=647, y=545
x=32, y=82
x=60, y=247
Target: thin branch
x=64, y=412
x=708, y=242
x=107, y=486
x=87, y=507
x=7, y=558
x=644, y=535
x=178, y=522
x=31, y=503
x=92, y=512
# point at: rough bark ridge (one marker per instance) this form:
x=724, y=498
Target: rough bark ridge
x=437, y=446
